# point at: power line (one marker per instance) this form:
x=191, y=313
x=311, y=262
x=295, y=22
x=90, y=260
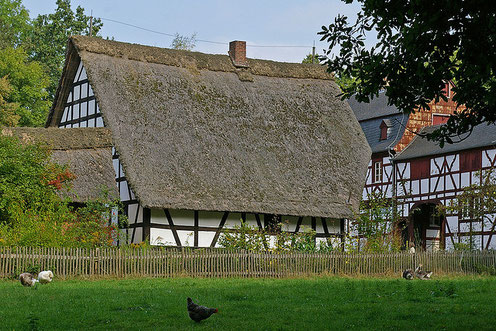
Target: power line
x=201, y=40
x=137, y=27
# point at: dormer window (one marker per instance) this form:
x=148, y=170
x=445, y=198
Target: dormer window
x=386, y=127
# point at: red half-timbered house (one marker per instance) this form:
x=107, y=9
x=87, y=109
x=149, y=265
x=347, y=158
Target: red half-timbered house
x=428, y=176
x=203, y=141
x=419, y=175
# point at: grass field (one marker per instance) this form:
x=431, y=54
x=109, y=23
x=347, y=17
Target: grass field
x=251, y=304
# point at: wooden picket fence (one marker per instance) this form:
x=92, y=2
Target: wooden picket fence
x=162, y=262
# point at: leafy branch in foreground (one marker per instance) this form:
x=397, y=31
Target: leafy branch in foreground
x=420, y=46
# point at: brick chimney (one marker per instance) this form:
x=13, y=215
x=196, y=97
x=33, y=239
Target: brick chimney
x=237, y=52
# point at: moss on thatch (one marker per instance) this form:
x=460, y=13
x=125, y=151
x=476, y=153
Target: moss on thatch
x=194, y=132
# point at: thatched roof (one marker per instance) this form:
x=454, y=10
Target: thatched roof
x=86, y=151
x=195, y=132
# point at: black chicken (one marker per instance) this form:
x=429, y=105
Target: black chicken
x=408, y=274
x=198, y=313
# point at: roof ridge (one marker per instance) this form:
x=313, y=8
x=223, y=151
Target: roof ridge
x=196, y=60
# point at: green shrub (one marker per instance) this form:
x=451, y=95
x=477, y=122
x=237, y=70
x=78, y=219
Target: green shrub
x=251, y=238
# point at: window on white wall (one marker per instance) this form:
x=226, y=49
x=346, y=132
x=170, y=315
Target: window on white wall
x=377, y=172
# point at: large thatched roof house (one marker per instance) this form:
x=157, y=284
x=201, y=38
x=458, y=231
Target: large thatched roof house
x=202, y=141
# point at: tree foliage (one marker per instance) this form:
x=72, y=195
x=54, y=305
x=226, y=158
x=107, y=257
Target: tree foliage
x=32, y=213
x=420, y=45
x=183, y=42
x=373, y=228
x=27, y=83
x=49, y=37
x=308, y=59
x=8, y=110
x=15, y=24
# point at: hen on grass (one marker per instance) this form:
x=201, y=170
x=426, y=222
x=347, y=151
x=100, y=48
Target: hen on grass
x=27, y=279
x=198, y=313
x=421, y=274
x=45, y=277
x=408, y=274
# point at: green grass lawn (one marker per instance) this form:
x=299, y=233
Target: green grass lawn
x=252, y=304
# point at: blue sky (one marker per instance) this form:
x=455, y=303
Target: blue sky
x=270, y=22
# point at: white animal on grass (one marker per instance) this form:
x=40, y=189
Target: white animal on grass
x=27, y=279
x=45, y=277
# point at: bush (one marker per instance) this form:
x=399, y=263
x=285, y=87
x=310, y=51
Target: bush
x=251, y=238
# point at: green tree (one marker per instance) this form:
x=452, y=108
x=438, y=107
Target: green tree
x=25, y=86
x=183, y=42
x=14, y=23
x=308, y=59
x=8, y=110
x=49, y=38
x=373, y=228
x=421, y=45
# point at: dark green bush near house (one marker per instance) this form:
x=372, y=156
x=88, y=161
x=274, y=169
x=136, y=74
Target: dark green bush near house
x=31, y=211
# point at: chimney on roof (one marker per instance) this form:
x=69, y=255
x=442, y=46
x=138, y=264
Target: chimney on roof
x=237, y=52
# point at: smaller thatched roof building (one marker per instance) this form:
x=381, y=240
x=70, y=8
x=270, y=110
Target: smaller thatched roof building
x=87, y=152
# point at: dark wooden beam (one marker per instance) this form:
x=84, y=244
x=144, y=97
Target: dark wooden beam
x=172, y=227
x=298, y=224
x=195, y=228
x=146, y=224
x=221, y=225
x=259, y=223
x=324, y=225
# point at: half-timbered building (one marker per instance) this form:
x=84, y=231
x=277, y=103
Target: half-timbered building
x=389, y=131
x=419, y=175
x=203, y=141
x=428, y=176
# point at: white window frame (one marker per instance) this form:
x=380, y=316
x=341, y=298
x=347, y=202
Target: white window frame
x=378, y=172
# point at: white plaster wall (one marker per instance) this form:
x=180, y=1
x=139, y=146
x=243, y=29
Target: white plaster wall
x=435, y=164
x=158, y=216
x=449, y=244
x=424, y=186
x=205, y=238
x=209, y=219
x=464, y=227
x=137, y=236
x=486, y=162
x=289, y=223
x=453, y=223
x=465, y=179
x=453, y=162
x=415, y=187
x=186, y=238
x=124, y=193
x=162, y=237
x=182, y=217
x=368, y=180
x=132, y=210
x=433, y=233
x=475, y=178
